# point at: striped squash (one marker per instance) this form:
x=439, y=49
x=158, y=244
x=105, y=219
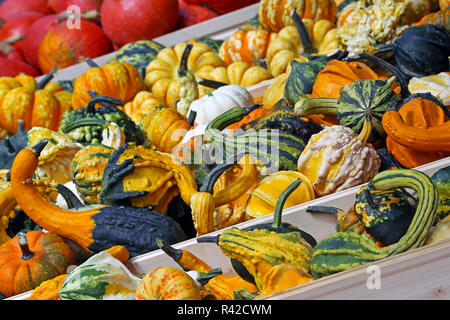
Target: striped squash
x=276, y=149
x=345, y=250
x=138, y=54
x=442, y=180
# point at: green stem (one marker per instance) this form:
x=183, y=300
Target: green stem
x=92, y=63
x=280, y=203
x=175, y=254
x=70, y=198
x=38, y=147
x=90, y=108
x=323, y=209
x=183, y=68
x=210, y=180
x=203, y=277
x=46, y=79
x=84, y=123
x=309, y=106
x=211, y=83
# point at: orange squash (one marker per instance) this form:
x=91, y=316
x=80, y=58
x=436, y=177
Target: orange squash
x=29, y=259
x=419, y=132
x=167, y=283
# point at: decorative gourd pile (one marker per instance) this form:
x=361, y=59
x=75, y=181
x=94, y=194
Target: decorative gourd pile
x=162, y=144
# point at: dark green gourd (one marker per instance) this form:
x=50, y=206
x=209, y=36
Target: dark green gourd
x=345, y=250
x=442, y=180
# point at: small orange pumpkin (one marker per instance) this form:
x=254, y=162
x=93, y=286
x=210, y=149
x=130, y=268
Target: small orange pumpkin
x=167, y=283
x=29, y=259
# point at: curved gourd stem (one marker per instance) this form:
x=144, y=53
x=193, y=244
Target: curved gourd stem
x=105, y=99
x=321, y=105
x=6, y=45
x=27, y=254
x=211, y=83
x=402, y=81
x=83, y=123
x=240, y=186
x=183, y=68
x=209, y=239
x=276, y=224
x=46, y=79
x=105, y=104
x=324, y=209
x=191, y=118
x=426, y=206
x=71, y=199
x=366, y=131
x=304, y=36
x=210, y=180
x=183, y=258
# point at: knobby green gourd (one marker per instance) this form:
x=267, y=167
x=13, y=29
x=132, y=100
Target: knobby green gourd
x=362, y=99
x=276, y=149
x=345, y=250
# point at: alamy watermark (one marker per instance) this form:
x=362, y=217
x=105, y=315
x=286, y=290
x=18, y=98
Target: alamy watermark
x=374, y=280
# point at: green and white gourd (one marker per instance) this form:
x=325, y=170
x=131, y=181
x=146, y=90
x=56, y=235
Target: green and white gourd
x=101, y=277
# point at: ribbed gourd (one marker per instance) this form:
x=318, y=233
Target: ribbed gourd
x=345, y=250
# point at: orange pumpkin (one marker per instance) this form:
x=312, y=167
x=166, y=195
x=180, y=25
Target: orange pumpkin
x=29, y=259
x=274, y=15
x=115, y=79
x=36, y=104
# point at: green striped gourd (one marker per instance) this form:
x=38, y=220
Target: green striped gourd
x=138, y=54
x=345, y=250
x=442, y=180
x=362, y=99
x=276, y=149
x=88, y=166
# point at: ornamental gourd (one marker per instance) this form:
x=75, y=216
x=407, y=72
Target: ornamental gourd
x=442, y=180
x=115, y=79
x=362, y=100
x=440, y=17
x=143, y=103
x=86, y=125
x=345, y=250
x=219, y=101
x=221, y=286
x=238, y=73
x=436, y=84
x=29, y=259
x=162, y=77
x=258, y=248
x=94, y=229
x=88, y=166
x=336, y=159
x=274, y=15
x=36, y=104
x=139, y=54
x=305, y=39
x=164, y=128
x=101, y=277
x=418, y=131
x=167, y=283
x=276, y=149
x=264, y=197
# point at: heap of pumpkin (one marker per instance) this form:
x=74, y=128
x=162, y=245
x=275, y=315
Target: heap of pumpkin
x=143, y=156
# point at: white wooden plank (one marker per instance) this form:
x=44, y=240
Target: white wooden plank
x=416, y=274
x=217, y=28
